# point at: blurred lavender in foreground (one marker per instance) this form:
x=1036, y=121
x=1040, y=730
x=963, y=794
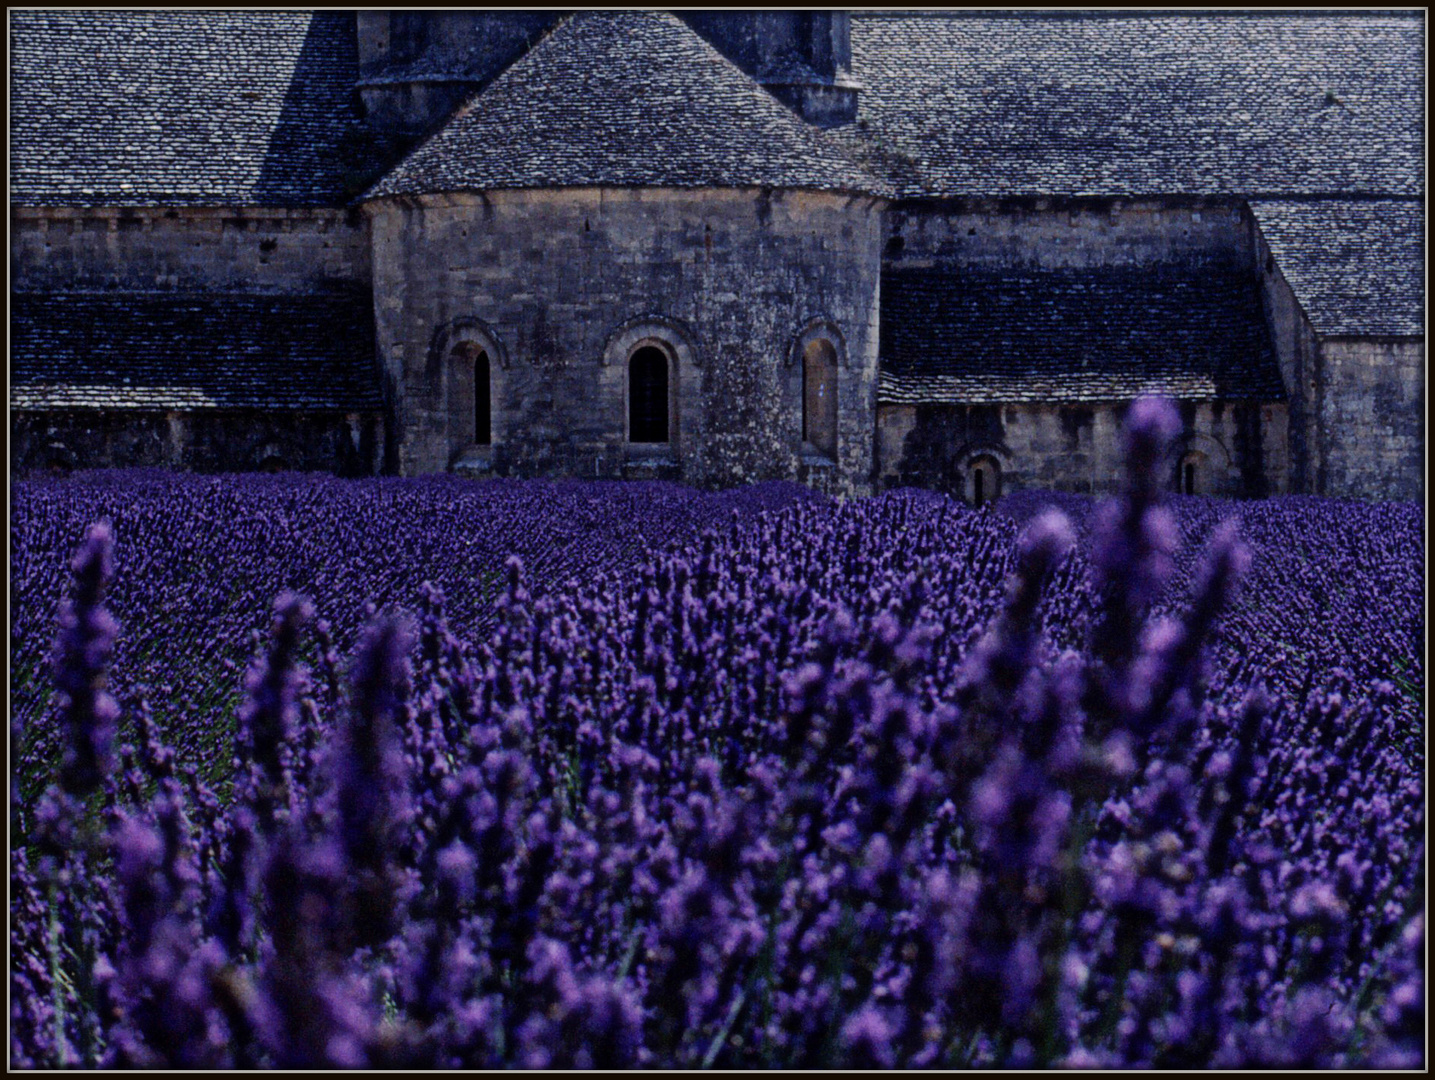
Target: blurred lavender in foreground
x=881, y=784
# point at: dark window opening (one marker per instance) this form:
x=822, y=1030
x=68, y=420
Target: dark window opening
x=986, y=480
x=1188, y=478
x=648, y=396
x=482, y=402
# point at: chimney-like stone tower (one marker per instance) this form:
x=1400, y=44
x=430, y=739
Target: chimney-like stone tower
x=416, y=67
x=803, y=58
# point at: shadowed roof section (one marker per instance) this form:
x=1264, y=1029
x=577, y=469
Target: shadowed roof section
x=625, y=98
x=1186, y=330
x=184, y=108
x=173, y=351
x=1357, y=267
x=1141, y=103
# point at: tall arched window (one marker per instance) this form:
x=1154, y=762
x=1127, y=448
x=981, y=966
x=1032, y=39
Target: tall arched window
x=470, y=397
x=482, y=402
x=819, y=397
x=649, y=406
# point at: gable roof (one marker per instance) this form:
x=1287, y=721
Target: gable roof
x=1357, y=267
x=117, y=350
x=1142, y=103
x=183, y=108
x=625, y=98
x=1182, y=329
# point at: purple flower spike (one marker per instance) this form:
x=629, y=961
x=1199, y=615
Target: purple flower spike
x=867, y=1039
x=270, y=714
x=370, y=774
x=82, y=657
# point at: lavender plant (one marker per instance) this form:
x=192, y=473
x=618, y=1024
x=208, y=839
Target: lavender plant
x=885, y=783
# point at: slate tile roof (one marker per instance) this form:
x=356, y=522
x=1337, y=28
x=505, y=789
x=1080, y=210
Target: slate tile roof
x=251, y=108
x=1140, y=103
x=1357, y=267
x=183, y=108
x=1186, y=330
x=117, y=350
x=625, y=98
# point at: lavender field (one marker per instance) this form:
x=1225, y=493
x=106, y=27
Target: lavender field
x=430, y=773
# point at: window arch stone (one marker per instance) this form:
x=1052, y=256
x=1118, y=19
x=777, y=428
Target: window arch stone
x=466, y=328
x=670, y=333
x=820, y=328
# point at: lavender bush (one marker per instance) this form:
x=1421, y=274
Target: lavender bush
x=199, y=558
x=884, y=783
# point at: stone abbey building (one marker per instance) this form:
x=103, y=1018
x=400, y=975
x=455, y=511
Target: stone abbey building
x=856, y=251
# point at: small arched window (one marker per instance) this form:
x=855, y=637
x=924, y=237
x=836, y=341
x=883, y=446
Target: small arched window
x=983, y=480
x=649, y=405
x=819, y=397
x=482, y=402
x=1189, y=477
x=470, y=397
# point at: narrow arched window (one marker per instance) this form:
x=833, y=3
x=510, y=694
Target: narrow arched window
x=819, y=397
x=648, y=403
x=984, y=480
x=1188, y=478
x=482, y=402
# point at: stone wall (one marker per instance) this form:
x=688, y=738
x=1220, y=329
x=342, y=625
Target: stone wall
x=1049, y=233
x=1238, y=448
x=199, y=249
x=561, y=286
x=350, y=444
x=1372, y=415
x=195, y=250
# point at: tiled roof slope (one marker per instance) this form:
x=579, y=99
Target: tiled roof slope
x=625, y=98
x=1142, y=103
x=1356, y=267
x=173, y=351
x=208, y=108
x=1082, y=334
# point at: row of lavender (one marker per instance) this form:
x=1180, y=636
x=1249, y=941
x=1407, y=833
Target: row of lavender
x=199, y=560
x=882, y=783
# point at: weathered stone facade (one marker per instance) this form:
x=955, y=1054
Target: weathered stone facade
x=243, y=250
x=215, y=440
x=1235, y=448
x=1372, y=418
x=80, y=258
x=560, y=288
x=1357, y=403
